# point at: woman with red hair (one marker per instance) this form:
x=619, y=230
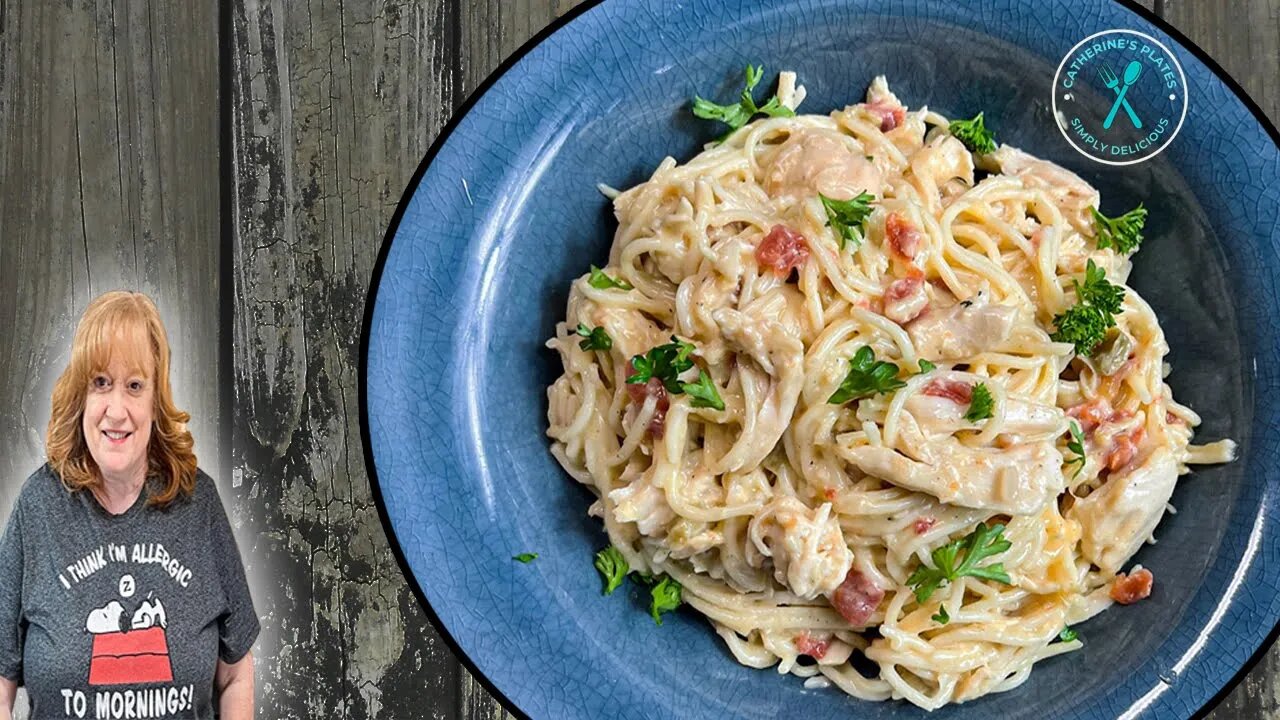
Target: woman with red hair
x=122, y=593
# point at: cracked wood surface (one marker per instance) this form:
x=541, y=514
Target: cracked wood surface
x=333, y=105
x=109, y=165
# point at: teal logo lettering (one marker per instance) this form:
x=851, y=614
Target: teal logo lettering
x=1119, y=97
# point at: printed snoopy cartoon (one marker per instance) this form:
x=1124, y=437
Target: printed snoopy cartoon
x=129, y=654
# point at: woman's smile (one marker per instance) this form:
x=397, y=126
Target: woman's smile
x=116, y=437
x=118, y=412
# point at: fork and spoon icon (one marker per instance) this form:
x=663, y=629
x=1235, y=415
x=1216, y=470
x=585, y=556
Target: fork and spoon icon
x=1131, y=73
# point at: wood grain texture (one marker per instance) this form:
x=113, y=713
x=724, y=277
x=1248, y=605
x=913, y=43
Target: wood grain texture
x=108, y=165
x=1243, y=37
x=333, y=106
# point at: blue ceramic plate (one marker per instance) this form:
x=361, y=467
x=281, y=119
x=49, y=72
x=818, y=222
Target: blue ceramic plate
x=504, y=212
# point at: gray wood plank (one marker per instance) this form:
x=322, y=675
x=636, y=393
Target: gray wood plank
x=1244, y=38
x=108, y=114
x=334, y=104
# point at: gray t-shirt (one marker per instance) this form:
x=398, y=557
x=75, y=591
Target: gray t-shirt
x=120, y=616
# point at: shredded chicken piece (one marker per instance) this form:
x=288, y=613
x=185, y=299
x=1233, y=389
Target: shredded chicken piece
x=812, y=161
x=961, y=330
x=806, y=545
x=1119, y=516
x=1018, y=480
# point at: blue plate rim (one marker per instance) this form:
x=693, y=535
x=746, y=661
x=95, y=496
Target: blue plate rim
x=406, y=198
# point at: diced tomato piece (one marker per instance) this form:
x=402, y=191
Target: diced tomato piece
x=923, y=524
x=1125, y=448
x=1129, y=589
x=890, y=115
x=958, y=392
x=905, y=300
x=1091, y=414
x=830, y=494
x=639, y=393
x=857, y=598
x=815, y=648
x=903, y=237
x=782, y=249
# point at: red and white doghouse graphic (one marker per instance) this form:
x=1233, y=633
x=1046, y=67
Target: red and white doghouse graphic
x=128, y=657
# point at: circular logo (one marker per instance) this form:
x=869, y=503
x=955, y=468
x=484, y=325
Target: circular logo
x=1119, y=97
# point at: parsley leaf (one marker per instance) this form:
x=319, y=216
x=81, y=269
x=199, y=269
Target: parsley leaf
x=846, y=217
x=739, y=114
x=666, y=597
x=1085, y=324
x=525, y=557
x=600, y=281
x=926, y=366
x=978, y=545
x=613, y=568
x=596, y=338
x=703, y=393
x=1098, y=291
x=1076, y=445
x=973, y=134
x=942, y=617
x=867, y=376
x=980, y=404
x=1067, y=634
x=664, y=362
x=1124, y=233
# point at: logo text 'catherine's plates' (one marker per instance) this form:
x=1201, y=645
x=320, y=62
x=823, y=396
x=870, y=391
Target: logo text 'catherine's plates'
x=1119, y=97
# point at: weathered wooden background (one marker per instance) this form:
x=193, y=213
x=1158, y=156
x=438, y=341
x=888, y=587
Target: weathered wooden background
x=110, y=158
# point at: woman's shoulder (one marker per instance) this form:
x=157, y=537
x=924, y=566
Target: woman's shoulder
x=42, y=486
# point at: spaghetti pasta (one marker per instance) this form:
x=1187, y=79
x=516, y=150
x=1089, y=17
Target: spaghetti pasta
x=795, y=524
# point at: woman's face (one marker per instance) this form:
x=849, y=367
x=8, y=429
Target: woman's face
x=117, y=418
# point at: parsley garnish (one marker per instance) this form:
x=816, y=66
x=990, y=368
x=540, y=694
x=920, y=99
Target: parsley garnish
x=525, y=557
x=867, y=376
x=973, y=134
x=926, y=366
x=1085, y=324
x=663, y=362
x=1124, y=233
x=1067, y=634
x=613, y=568
x=666, y=362
x=600, y=281
x=737, y=115
x=666, y=597
x=703, y=393
x=978, y=545
x=846, y=217
x=1098, y=291
x=1076, y=445
x=596, y=338
x=942, y=618
x=980, y=404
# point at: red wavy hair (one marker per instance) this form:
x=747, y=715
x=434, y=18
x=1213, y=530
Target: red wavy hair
x=105, y=329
